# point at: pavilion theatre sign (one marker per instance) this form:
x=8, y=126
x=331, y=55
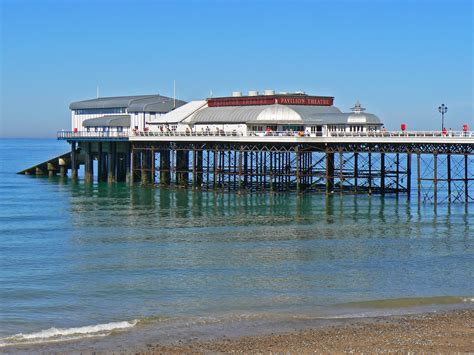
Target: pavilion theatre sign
x=314, y=101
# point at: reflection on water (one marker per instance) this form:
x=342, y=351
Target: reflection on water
x=76, y=254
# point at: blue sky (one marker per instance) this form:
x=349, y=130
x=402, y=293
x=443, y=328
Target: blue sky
x=401, y=59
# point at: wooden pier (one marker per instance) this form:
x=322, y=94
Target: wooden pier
x=348, y=164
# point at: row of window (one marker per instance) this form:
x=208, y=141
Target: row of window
x=294, y=128
x=100, y=111
x=102, y=129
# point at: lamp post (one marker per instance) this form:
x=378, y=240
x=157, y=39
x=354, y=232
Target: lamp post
x=442, y=109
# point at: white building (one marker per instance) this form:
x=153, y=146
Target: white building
x=120, y=114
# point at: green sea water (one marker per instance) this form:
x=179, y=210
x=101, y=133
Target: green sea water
x=80, y=260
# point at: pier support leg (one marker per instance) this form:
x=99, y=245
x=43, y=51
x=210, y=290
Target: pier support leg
x=51, y=170
x=448, y=173
x=356, y=171
x=88, y=173
x=194, y=167
x=182, y=164
x=101, y=171
x=165, y=176
x=418, y=173
x=435, y=178
x=136, y=165
x=146, y=166
x=408, y=175
x=466, y=179
x=127, y=165
x=271, y=171
x=370, y=172
x=245, y=168
x=298, y=171
x=111, y=162
x=341, y=170
x=329, y=172
x=73, y=160
x=240, y=167
x=152, y=166
x=397, y=177
x=199, y=173
x=382, y=173
x=214, y=175
x=121, y=170
x=62, y=168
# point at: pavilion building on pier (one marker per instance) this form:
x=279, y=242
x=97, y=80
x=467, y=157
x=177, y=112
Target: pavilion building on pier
x=278, y=113
x=270, y=142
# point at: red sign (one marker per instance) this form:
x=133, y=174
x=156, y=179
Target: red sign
x=270, y=100
x=313, y=101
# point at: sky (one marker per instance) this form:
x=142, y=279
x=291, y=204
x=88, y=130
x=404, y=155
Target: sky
x=400, y=59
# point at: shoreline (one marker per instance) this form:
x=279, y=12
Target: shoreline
x=444, y=331
x=450, y=331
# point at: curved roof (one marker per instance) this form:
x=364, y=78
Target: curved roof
x=242, y=114
x=139, y=103
x=226, y=114
x=330, y=118
x=281, y=114
x=278, y=113
x=108, y=121
x=179, y=114
x=155, y=104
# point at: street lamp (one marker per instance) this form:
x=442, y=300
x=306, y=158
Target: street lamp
x=442, y=109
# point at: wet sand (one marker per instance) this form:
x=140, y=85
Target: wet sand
x=441, y=333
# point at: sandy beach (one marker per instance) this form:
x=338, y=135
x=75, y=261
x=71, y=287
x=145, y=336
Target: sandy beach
x=444, y=332
x=450, y=332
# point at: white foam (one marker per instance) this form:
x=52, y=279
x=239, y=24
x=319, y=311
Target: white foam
x=468, y=299
x=60, y=334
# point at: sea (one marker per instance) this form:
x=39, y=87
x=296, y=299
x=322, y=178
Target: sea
x=96, y=264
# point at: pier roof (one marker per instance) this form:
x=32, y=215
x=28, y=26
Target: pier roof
x=179, y=114
x=138, y=103
x=277, y=113
x=109, y=121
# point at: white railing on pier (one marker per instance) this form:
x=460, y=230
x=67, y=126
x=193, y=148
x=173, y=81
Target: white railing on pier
x=300, y=134
x=86, y=134
x=428, y=134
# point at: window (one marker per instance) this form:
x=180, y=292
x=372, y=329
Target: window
x=119, y=129
x=100, y=111
x=256, y=128
x=293, y=128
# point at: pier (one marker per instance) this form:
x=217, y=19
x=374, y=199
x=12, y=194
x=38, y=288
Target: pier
x=377, y=163
x=270, y=142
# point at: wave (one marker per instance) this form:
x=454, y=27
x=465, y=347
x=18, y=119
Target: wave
x=350, y=310
x=62, y=334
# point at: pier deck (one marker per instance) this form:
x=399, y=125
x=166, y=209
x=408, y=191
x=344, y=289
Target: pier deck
x=369, y=162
